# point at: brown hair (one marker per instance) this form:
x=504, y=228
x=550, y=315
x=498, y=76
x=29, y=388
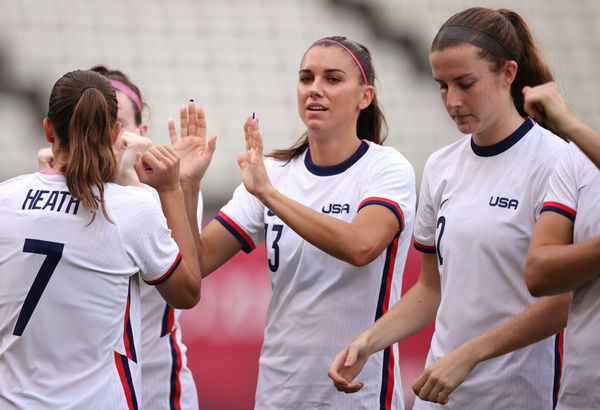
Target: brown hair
x=83, y=111
x=122, y=77
x=512, y=33
x=371, y=124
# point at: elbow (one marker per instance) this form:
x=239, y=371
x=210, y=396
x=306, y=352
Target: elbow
x=536, y=277
x=363, y=254
x=187, y=301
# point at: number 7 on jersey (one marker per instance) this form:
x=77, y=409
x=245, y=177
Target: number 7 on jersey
x=53, y=252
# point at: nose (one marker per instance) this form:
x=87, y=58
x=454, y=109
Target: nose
x=315, y=89
x=452, y=98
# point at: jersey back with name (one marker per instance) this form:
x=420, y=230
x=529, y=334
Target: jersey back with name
x=65, y=333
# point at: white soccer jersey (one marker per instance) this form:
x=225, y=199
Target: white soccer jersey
x=575, y=192
x=320, y=303
x=167, y=382
x=477, y=208
x=65, y=324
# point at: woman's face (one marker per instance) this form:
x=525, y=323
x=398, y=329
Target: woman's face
x=474, y=96
x=126, y=113
x=329, y=92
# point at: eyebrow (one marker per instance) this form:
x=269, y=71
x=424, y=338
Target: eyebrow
x=328, y=70
x=460, y=77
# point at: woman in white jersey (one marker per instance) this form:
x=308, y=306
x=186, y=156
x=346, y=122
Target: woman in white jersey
x=493, y=346
x=167, y=382
x=336, y=213
x=70, y=243
x=563, y=255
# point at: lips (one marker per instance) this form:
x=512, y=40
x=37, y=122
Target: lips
x=316, y=107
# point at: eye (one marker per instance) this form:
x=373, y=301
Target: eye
x=442, y=86
x=466, y=86
x=334, y=80
x=306, y=78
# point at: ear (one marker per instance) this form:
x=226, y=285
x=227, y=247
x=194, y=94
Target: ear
x=143, y=129
x=116, y=131
x=367, y=95
x=49, y=131
x=510, y=72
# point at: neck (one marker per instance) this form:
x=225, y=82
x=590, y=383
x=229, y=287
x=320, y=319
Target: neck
x=331, y=151
x=504, y=126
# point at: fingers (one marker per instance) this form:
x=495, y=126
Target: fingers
x=172, y=131
x=201, y=122
x=192, y=119
x=183, y=121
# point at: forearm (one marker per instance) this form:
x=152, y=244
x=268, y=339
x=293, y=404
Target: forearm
x=173, y=207
x=191, y=193
x=415, y=311
x=543, y=319
x=350, y=242
x=554, y=269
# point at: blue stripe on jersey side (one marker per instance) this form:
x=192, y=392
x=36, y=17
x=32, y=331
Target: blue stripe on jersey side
x=175, y=393
x=165, y=328
x=384, y=379
x=391, y=205
x=383, y=286
x=246, y=247
x=557, y=367
x=335, y=169
x=561, y=211
x=423, y=248
x=131, y=351
x=125, y=363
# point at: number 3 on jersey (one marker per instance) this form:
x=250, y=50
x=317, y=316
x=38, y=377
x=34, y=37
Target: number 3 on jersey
x=278, y=229
x=53, y=252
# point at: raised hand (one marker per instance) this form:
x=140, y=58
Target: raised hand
x=159, y=168
x=252, y=166
x=544, y=103
x=45, y=158
x=195, y=153
x=347, y=365
x=126, y=149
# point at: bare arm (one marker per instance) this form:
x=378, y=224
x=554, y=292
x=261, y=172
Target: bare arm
x=182, y=289
x=545, y=103
x=415, y=310
x=543, y=319
x=358, y=242
x=554, y=264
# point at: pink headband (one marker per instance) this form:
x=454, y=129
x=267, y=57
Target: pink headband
x=364, y=76
x=128, y=92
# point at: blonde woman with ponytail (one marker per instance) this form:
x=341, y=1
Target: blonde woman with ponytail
x=70, y=243
x=494, y=344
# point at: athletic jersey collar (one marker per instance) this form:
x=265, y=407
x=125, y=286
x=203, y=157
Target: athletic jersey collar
x=505, y=144
x=338, y=168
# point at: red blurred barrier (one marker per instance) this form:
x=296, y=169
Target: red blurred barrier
x=224, y=333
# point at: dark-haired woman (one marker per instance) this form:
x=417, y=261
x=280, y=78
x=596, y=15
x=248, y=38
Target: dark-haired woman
x=336, y=213
x=70, y=243
x=480, y=197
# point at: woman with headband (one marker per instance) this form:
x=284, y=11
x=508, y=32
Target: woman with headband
x=71, y=244
x=336, y=212
x=493, y=346
x=167, y=382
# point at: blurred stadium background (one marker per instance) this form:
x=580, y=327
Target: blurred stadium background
x=236, y=57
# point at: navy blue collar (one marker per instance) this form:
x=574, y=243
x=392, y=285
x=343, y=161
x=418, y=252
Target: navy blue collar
x=338, y=168
x=505, y=144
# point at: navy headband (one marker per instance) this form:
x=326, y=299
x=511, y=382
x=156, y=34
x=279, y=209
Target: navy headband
x=476, y=37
